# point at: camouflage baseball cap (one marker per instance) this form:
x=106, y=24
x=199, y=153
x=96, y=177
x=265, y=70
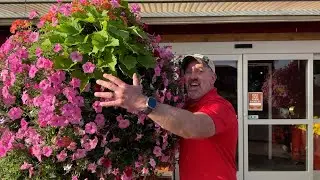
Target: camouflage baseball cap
x=198, y=57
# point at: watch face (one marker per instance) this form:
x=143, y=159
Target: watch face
x=152, y=103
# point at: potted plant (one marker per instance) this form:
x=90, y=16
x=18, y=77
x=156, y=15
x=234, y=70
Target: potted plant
x=52, y=126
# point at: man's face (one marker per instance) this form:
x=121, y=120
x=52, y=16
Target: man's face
x=199, y=80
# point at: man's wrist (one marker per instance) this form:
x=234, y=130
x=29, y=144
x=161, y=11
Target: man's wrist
x=142, y=103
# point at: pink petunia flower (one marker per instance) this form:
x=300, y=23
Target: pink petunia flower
x=91, y=128
x=88, y=67
x=92, y=167
x=157, y=151
x=66, y=9
x=32, y=72
x=123, y=124
x=25, y=166
x=34, y=37
x=79, y=154
x=62, y=156
x=145, y=171
x=36, y=151
x=15, y=113
x=75, y=83
x=76, y=56
x=33, y=14
x=157, y=71
x=114, y=3
x=38, y=52
x=47, y=151
x=57, y=48
x=99, y=120
x=135, y=8
x=96, y=106
x=152, y=162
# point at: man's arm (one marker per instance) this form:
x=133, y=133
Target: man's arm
x=178, y=121
x=182, y=122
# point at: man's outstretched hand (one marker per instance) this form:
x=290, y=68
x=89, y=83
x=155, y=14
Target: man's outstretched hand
x=121, y=94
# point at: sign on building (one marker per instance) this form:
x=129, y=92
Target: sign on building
x=255, y=101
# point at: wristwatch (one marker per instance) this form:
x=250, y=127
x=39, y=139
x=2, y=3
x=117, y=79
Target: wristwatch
x=151, y=104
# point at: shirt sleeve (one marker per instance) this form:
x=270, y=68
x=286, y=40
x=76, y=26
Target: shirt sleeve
x=223, y=116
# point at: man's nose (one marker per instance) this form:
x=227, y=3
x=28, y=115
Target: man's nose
x=194, y=75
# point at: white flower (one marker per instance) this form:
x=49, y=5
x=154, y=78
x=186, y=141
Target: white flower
x=67, y=167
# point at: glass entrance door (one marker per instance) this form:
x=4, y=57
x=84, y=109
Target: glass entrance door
x=278, y=121
x=229, y=86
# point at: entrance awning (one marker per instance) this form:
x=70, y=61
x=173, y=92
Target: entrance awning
x=190, y=11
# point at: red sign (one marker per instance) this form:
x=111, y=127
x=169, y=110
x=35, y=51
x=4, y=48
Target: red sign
x=255, y=101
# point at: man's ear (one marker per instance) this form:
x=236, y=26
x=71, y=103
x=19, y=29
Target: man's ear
x=214, y=77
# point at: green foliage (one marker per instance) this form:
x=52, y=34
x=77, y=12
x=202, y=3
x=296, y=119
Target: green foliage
x=10, y=165
x=110, y=41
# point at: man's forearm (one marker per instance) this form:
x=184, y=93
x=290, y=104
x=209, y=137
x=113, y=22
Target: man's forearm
x=182, y=122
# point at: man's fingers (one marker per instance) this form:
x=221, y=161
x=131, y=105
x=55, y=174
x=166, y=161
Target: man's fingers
x=107, y=95
x=107, y=85
x=111, y=103
x=114, y=79
x=136, y=81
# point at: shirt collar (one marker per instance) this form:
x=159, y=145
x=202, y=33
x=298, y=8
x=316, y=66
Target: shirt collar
x=213, y=92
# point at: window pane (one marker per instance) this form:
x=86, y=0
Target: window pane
x=277, y=89
x=316, y=89
x=226, y=84
x=282, y=150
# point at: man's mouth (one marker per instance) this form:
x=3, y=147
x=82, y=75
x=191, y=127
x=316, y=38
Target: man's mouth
x=194, y=85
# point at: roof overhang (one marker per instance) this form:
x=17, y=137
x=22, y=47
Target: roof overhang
x=190, y=11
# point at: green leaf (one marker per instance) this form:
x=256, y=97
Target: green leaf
x=79, y=15
x=109, y=60
x=118, y=32
x=95, y=50
x=129, y=61
x=82, y=77
x=138, y=32
x=86, y=38
x=61, y=62
x=118, y=24
x=67, y=28
x=125, y=4
x=46, y=45
x=99, y=40
x=56, y=38
x=113, y=42
x=90, y=19
x=93, y=11
x=98, y=74
x=104, y=25
x=85, y=48
x=132, y=47
x=146, y=61
x=126, y=71
x=73, y=40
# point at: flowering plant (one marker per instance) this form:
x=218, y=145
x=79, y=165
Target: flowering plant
x=52, y=126
x=286, y=88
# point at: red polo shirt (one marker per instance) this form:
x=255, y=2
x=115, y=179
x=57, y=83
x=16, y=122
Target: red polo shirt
x=211, y=158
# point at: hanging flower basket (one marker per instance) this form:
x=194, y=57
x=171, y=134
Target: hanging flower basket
x=52, y=126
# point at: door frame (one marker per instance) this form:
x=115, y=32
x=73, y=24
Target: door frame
x=236, y=58
x=279, y=175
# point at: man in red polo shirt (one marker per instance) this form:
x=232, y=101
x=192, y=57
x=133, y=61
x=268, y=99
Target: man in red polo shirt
x=208, y=124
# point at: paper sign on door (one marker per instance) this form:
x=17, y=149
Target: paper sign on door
x=255, y=101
